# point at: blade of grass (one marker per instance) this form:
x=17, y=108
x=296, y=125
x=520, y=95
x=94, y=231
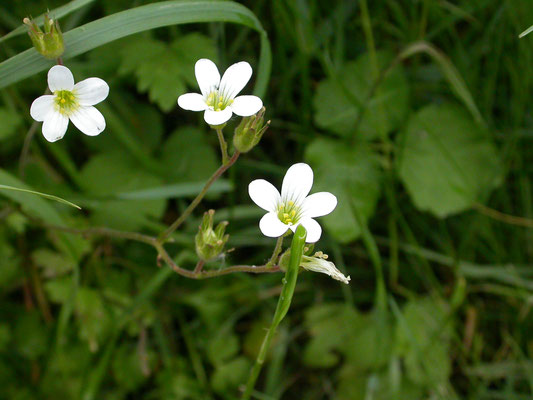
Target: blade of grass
x=55, y=13
x=139, y=19
x=451, y=73
x=46, y=196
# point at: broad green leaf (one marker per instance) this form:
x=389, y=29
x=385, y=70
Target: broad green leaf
x=93, y=318
x=53, y=263
x=222, y=347
x=423, y=334
x=446, y=161
x=110, y=173
x=10, y=122
x=331, y=326
x=164, y=70
x=187, y=157
x=228, y=377
x=340, y=99
x=30, y=334
x=352, y=173
x=127, y=366
x=139, y=19
x=356, y=385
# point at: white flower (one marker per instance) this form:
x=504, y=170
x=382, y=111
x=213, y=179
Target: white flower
x=318, y=263
x=218, y=95
x=70, y=101
x=293, y=207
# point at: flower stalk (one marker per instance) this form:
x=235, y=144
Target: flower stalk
x=284, y=303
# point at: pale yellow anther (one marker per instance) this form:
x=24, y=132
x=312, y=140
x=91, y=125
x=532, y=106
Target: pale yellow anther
x=285, y=215
x=291, y=203
x=293, y=213
x=63, y=101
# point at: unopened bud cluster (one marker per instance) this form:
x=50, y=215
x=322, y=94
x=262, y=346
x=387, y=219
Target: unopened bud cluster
x=48, y=42
x=210, y=242
x=249, y=132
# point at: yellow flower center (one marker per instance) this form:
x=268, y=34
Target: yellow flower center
x=65, y=101
x=217, y=101
x=289, y=213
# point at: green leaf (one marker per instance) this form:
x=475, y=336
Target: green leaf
x=350, y=173
x=228, y=377
x=340, y=99
x=222, y=347
x=127, y=367
x=53, y=263
x=93, y=320
x=163, y=70
x=10, y=122
x=139, y=19
x=30, y=335
x=330, y=326
x=423, y=336
x=449, y=71
x=446, y=161
x=47, y=196
x=187, y=157
x=526, y=32
x=36, y=206
x=110, y=173
x=177, y=190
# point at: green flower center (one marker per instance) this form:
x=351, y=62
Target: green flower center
x=217, y=101
x=289, y=213
x=65, y=101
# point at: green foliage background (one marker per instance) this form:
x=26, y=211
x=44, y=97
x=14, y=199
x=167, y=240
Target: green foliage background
x=416, y=114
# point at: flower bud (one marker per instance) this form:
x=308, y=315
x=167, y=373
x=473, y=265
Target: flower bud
x=210, y=243
x=249, y=132
x=50, y=42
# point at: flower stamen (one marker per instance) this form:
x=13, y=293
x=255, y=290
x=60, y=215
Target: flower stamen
x=217, y=101
x=289, y=213
x=66, y=102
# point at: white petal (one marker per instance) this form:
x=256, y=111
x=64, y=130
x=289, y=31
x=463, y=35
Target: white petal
x=319, y=204
x=88, y=120
x=192, y=102
x=54, y=126
x=91, y=91
x=235, y=79
x=217, y=117
x=264, y=194
x=314, y=231
x=271, y=226
x=297, y=183
x=60, y=78
x=41, y=106
x=246, y=105
x=316, y=264
x=207, y=75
